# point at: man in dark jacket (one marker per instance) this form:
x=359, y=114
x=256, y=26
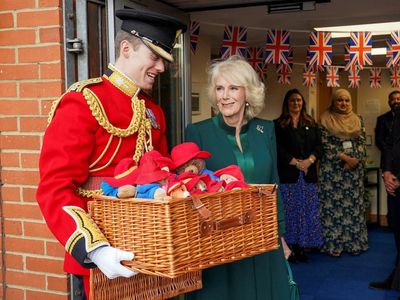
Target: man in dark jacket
x=391, y=175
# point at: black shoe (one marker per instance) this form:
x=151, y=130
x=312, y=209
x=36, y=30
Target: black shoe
x=381, y=285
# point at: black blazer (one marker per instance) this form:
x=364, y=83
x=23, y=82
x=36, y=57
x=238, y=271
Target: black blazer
x=392, y=148
x=382, y=131
x=300, y=143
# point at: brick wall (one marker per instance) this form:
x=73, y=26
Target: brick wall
x=31, y=77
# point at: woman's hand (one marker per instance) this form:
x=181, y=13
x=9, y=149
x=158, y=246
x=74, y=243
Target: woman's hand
x=350, y=162
x=286, y=249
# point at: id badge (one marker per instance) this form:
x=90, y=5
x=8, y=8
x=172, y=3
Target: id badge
x=347, y=145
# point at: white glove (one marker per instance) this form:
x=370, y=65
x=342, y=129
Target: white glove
x=108, y=260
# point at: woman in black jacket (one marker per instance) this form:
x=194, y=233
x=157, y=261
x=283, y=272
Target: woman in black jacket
x=299, y=148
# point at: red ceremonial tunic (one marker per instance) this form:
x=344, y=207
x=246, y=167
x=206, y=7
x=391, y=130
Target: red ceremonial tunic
x=73, y=144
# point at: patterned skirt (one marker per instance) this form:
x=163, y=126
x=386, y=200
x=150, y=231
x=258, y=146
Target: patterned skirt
x=302, y=217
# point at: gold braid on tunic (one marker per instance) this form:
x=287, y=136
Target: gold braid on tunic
x=139, y=124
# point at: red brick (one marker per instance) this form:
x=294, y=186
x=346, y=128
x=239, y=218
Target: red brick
x=7, y=56
x=10, y=193
x=40, y=54
x=49, y=3
x=52, y=71
x=44, y=265
x=17, y=37
x=19, y=107
x=26, y=279
x=6, y=20
x=33, y=124
x=9, y=159
x=32, y=229
x=14, y=261
x=24, y=245
x=41, y=89
x=12, y=227
x=26, y=142
x=39, y=18
x=55, y=249
x=16, y=4
x=18, y=72
x=60, y=284
x=29, y=194
x=51, y=35
x=15, y=293
x=21, y=211
x=30, y=160
x=46, y=106
x=20, y=177
x=8, y=124
x=8, y=89
x=34, y=295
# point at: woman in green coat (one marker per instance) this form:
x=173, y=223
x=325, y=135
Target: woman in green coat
x=235, y=136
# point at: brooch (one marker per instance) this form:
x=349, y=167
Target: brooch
x=260, y=128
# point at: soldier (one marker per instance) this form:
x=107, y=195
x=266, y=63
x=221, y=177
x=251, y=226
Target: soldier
x=93, y=126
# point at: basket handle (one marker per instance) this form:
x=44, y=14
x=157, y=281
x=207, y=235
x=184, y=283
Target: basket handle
x=204, y=212
x=207, y=227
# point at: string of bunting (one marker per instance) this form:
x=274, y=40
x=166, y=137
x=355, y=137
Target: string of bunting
x=278, y=51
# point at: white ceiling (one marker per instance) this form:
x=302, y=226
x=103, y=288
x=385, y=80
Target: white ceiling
x=256, y=18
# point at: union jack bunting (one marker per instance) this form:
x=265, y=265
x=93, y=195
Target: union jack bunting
x=284, y=73
x=375, y=77
x=354, y=77
x=395, y=76
x=194, y=35
x=277, y=46
x=389, y=54
x=347, y=64
x=320, y=49
x=255, y=57
x=314, y=68
x=332, y=76
x=234, y=43
x=360, y=45
x=395, y=47
x=309, y=77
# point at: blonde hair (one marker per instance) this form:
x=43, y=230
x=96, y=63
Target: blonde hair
x=123, y=35
x=239, y=72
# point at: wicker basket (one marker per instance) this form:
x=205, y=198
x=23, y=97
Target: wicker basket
x=175, y=236
x=142, y=286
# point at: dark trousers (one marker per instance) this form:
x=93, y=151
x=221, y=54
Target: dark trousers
x=394, y=223
x=78, y=288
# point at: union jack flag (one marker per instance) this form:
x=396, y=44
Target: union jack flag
x=320, y=49
x=360, y=45
x=395, y=76
x=284, y=73
x=332, y=76
x=314, y=68
x=395, y=46
x=194, y=35
x=255, y=57
x=309, y=77
x=354, y=77
x=389, y=54
x=234, y=43
x=375, y=77
x=277, y=46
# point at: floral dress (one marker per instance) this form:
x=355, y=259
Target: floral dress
x=342, y=196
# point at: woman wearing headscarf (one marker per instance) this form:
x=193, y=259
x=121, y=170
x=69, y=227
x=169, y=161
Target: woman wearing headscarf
x=342, y=178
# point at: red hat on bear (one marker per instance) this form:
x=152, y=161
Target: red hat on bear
x=232, y=170
x=163, y=162
x=184, y=152
x=149, y=172
x=124, y=173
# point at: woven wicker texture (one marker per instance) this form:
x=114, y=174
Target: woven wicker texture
x=169, y=237
x=141, y=287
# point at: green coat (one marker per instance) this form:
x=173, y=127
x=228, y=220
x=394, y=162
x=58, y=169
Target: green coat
x=263, y=277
